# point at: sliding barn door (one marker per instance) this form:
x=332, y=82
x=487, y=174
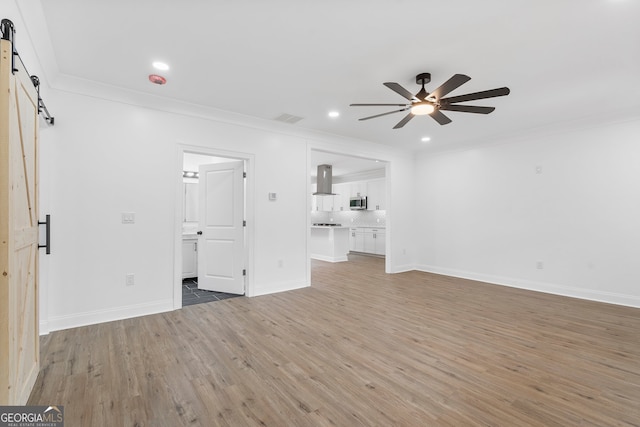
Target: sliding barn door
x=19, y=349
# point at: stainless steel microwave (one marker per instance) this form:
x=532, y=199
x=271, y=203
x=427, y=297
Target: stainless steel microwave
x=357, y=203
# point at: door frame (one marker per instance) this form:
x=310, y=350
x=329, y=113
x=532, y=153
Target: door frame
x=249, y=160
x=387, y=180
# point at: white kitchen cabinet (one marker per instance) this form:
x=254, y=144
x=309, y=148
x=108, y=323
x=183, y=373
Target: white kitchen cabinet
x=367, y=240
x=380, y=238
x=189, y=258
x=314, y=199
x=325, y=203
x=329, y=243
x=341, y=199
x=375, y=241
x=321, y=203
x=376, y=195
x=358, y=189
x=356, y=239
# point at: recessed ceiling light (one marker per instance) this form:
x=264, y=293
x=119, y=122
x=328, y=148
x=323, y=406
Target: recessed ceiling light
x=334, y=114
x=159, y=65
x=425, y=139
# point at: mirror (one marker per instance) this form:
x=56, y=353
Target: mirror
x=190, y=202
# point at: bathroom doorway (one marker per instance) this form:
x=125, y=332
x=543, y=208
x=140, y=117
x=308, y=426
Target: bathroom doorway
x=212, y=191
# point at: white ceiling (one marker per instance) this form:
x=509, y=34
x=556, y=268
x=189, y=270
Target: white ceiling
x=342, y=165
x=564, y=61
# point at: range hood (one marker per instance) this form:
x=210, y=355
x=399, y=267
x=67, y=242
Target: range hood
x=324, y=181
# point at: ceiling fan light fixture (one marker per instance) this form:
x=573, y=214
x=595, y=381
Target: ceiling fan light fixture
x=422, y=109
x=432, y=104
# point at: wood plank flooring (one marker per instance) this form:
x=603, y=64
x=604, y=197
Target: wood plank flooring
x=358, y=348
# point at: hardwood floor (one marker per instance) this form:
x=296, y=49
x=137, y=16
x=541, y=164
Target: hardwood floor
x=357, y=348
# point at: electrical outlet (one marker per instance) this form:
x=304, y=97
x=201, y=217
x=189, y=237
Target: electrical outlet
x=538, y=170
x=280, y=263
x=130, y=279
x=539, y=265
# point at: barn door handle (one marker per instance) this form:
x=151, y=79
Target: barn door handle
x=47, y=224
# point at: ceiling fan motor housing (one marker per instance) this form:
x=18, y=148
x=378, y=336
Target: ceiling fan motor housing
x=423, y=78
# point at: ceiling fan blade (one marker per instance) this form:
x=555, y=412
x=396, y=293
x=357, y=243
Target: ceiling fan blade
x=477, y=95
x=379, y=105
x=453, y=83
x=440, y=118
x=468, y=109
x=383, y=114
x=404, y=121
x=399, y=90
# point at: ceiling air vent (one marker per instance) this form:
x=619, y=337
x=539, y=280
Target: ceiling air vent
x=288, y=118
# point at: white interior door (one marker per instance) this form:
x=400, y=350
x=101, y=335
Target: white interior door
x=221, y=229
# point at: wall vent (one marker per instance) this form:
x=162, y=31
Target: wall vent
x=288, y=118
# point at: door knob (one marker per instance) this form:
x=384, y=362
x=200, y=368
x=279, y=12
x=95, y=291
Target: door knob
x=199, y=233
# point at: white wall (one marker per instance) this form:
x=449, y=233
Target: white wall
x=487, y=214
x=111, y=158
x=106, y=157
x=114, y=151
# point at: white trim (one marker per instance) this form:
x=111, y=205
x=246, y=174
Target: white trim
x=329, y=258
x=44, y=327
x=403, y=268
x=360, y=176
x=273, y=288
x=57, y=323
x=549, y=288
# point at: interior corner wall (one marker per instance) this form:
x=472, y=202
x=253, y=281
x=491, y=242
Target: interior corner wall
x=106, y=158
x=558, y=213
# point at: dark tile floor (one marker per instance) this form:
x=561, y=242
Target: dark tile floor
x=192, y=295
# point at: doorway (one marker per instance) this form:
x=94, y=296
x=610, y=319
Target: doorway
x=212, y=202
x=348, y=221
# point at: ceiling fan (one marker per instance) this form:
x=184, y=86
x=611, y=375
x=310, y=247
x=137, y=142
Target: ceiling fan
x=423, y=102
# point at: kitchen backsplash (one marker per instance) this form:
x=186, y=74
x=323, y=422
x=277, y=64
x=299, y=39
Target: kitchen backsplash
x=351, y=218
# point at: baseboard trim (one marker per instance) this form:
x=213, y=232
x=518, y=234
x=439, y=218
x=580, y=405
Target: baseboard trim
x=549, y=288
x=328, y=258
x=75, y=320
x=44, y=327
x=403, y=268
x=274, y=288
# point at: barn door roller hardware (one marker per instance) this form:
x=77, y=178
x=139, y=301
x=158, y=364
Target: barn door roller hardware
x=41, y=107
x=8, y=33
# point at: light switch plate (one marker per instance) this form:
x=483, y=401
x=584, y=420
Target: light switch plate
x=273, y=196
x=128, y=217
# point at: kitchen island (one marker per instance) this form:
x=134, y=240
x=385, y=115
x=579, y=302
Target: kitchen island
x=329, y=243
